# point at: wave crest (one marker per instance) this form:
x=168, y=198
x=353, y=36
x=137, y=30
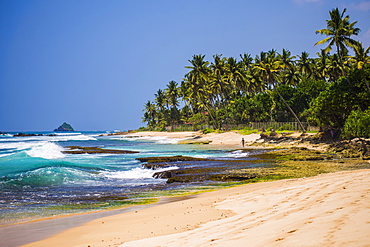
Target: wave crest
x=46, y=150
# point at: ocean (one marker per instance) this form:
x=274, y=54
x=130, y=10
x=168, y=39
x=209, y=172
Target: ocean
x=38, y=180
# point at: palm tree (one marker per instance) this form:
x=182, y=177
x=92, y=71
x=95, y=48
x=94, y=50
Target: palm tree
x=172, y=96
x=150, y=114
x=286, y=59
x=361, y=56
x=235, y=74
x=198, y=87
x=305, y=65
x=160, y=100
x=339, y=31
x=270, y=67
x=219, y=85
x=321, y=65
x=360, y=59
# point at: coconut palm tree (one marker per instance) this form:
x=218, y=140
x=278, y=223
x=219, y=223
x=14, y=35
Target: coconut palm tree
x=150, y=114
x=360, y=59
x=197, y=85
x=305, y=65
x=270, y=68
x=160, y=100
x=339, y=31
x=321, y=65
x=172, y=97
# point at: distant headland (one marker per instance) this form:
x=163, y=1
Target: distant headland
x=65, y=127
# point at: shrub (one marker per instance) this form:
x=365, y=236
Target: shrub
x=357, y=124
x=286, y=127
x=208, y=130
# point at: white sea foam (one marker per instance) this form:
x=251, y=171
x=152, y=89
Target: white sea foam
x=46, y=150
x=67, y=133
x=4, y=155
x=136, y=173
x=18, y=145
x=156, y=139
x=238, y=154
x=57, y=137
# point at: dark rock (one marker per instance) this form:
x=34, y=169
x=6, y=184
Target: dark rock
x=170, y=159
x=264, y=136
x=164, y=174
x=65, y=127
x=273, y=133
x=23, y=135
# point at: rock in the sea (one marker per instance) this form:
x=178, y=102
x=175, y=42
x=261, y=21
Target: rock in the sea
x=65, y=127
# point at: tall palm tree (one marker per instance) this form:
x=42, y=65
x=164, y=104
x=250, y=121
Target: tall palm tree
x=270, y=67
x=286, y=60
x=220, y=85
x=235, y=74
x=198, y=87
x=305, y=65
x=160, y=100
x=339, y=31
x=150, y=114
x=321, y=65
x=172, y=96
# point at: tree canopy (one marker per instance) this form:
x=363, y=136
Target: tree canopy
x=273, y=86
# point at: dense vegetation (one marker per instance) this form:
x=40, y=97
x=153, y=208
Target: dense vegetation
x=330, y=90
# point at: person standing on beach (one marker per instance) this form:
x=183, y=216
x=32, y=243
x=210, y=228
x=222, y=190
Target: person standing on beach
x=243, y=142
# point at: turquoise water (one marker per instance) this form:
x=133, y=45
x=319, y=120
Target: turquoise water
x=38, y=180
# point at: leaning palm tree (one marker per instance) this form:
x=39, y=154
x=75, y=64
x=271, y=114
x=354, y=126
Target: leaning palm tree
x=339, y=31
x=270, y=68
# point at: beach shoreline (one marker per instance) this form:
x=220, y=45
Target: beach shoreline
x=313, y=210
x=227, y=140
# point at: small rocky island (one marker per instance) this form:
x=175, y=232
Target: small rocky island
x=65, y=127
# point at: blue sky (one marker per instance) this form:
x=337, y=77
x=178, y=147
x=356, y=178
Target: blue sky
x=94, y=63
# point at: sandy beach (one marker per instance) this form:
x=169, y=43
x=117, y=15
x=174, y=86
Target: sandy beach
x=326, y=210
x=226, y=139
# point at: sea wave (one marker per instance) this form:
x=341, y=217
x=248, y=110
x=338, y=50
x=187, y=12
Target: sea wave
x=40, y=149
x=155, y=139
x=238, y=154
x=47, y=176
x=57, y=137
x=46, y=150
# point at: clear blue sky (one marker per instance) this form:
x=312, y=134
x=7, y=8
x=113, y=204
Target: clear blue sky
x=94, y=63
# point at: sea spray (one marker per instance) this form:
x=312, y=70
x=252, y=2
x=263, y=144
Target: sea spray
x=46, y=150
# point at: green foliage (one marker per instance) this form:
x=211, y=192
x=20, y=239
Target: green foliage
x=335, y=104
x=210, y=130
x=271, y=87
x=357, y=124
x=285, y=127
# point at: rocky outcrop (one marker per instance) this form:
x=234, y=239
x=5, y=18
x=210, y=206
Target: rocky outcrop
x=191, y=169
x=65, y=127
x=351, y=149
x=25, y=135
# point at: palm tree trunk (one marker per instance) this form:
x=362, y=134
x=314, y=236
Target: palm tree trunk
x=291, y=110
